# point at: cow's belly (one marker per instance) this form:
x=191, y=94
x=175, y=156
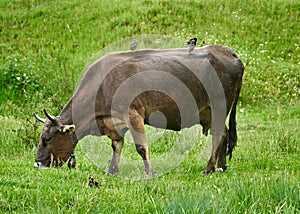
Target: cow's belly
x=164, y=112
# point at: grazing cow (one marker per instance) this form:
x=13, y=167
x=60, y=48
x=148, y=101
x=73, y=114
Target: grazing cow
x=163, y=88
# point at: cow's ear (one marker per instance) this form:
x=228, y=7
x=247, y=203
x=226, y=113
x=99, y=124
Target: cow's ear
x=69, y=128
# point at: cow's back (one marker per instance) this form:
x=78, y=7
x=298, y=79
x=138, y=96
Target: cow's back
x=165, y=81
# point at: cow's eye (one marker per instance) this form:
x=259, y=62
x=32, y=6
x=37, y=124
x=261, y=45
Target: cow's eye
x=48, y=139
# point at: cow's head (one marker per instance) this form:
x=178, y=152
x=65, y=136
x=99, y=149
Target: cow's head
x=57, y=142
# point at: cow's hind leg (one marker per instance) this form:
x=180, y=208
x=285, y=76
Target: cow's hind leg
x=137, y=131
x=222, y=150
x=117, y=149
x=216, y=141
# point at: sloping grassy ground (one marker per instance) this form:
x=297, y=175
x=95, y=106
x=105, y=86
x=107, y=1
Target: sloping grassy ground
x=45, y=45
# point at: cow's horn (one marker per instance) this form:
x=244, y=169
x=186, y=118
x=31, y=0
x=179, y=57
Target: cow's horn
x=50, y=117
x=43, y=120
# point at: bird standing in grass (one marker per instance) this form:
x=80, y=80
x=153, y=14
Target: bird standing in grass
x=191, y=44
x=133, y=45
x=93, y=183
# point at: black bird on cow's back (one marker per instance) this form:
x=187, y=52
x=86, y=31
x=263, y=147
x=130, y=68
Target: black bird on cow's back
x=191, y=44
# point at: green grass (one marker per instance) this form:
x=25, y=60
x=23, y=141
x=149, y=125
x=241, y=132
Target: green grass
x=45, y=46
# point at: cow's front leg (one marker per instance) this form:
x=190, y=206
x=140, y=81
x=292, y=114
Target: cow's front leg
x=137, y=131
x=117, y=149
x=142, y=149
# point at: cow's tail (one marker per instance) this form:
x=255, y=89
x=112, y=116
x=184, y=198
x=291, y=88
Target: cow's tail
x=232, y=124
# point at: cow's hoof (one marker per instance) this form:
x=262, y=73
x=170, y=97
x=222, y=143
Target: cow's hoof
x=209, y=170
x=150, y=175
x=112, y=171
x=206, y=172
x=222, y=166
x=219, y=169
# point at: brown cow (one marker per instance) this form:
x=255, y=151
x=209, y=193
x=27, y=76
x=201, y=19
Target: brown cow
x=124, y=90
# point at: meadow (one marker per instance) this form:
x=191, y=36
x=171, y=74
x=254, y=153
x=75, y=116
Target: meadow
x=46, y=45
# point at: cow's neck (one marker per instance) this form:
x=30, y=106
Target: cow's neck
x=66, y=114
x=83, y=122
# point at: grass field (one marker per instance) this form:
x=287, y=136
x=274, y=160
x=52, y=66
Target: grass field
x=45, y=46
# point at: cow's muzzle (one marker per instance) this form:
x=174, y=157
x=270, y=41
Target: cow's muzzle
x=39, y=165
